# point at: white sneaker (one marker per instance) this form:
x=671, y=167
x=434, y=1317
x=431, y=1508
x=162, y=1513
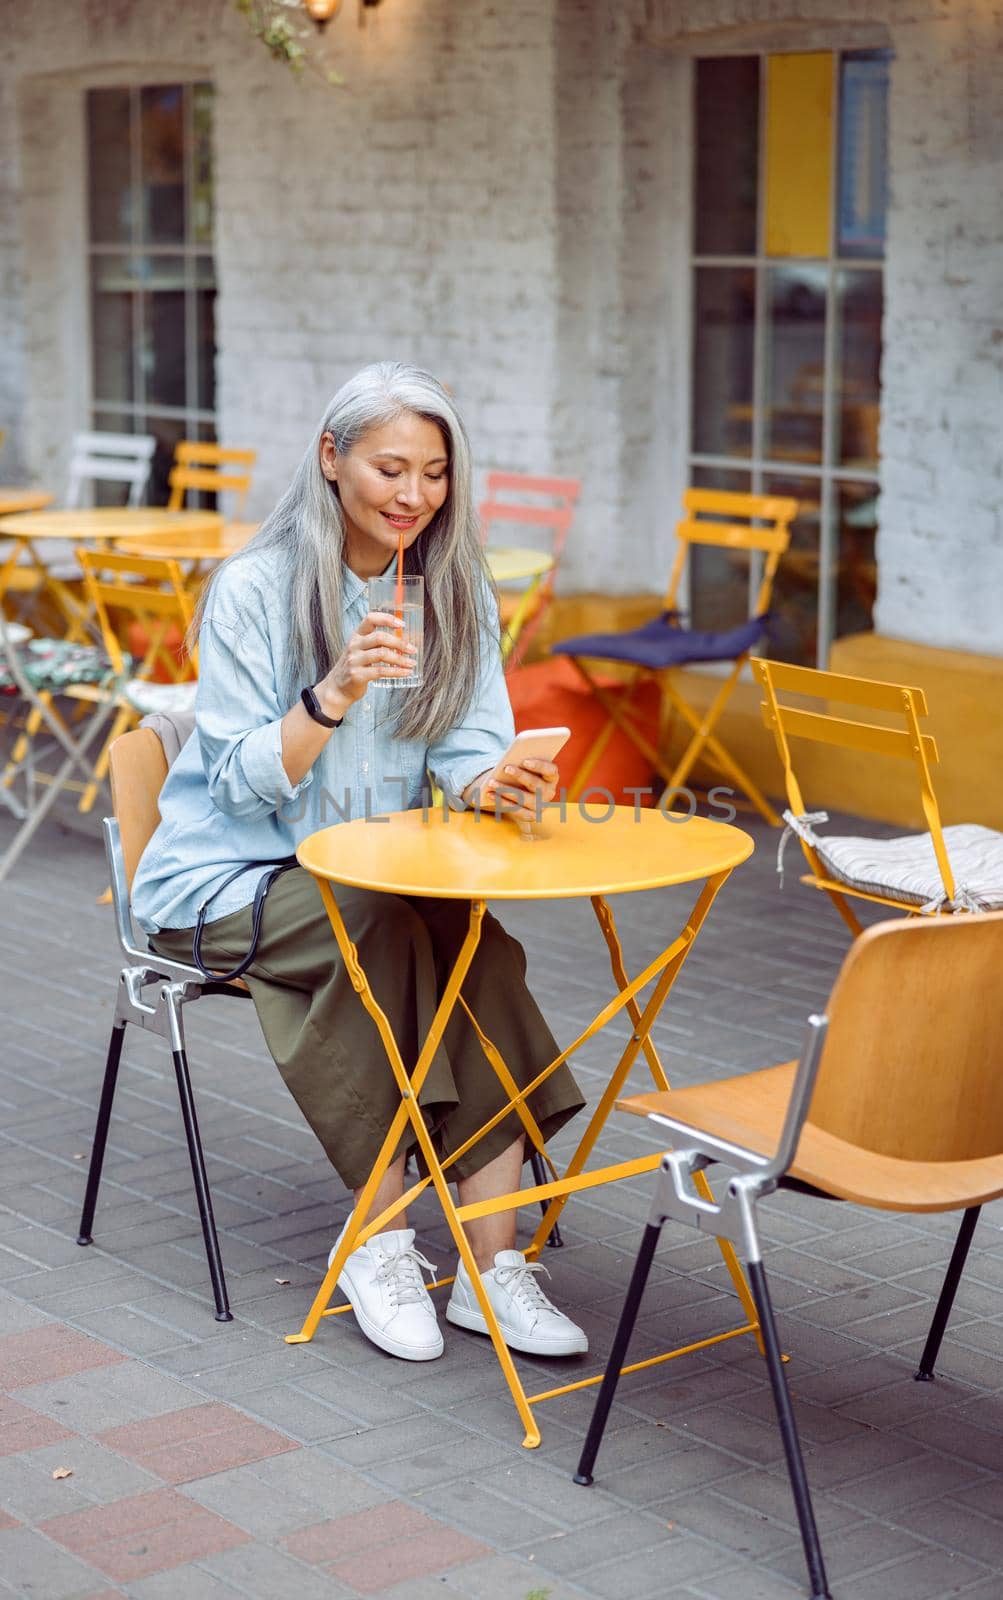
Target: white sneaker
x=383, y=1282
x=527, y=1319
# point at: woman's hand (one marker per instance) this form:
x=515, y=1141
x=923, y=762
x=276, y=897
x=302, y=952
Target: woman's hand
x=375, y=650
x=519, y=792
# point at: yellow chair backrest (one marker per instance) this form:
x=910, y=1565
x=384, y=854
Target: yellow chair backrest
x=202, y=466
x=897, y=702
x=911, y=1065
x=755, y=523
x=148, y=590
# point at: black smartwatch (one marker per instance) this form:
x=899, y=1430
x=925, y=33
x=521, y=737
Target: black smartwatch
x=312, y=704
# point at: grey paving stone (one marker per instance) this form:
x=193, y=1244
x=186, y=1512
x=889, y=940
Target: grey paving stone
x=854, y=1290
x=130, y=1330
x=371, y=1446
x=928, y=1575
x=28, y=1490
x=268, y=1512
x=731, y=1582
x=680, y=1560
x=109, y=1396
x=505, y=1578
x=768, y=1494
x=300, y=1415
x=576, y=1553
x=32, y=1564
x=268, y=1574
x=16, y=1317
x=929, y=1477
x=189, y=1582
x=721, y=1522
x=420, y=1475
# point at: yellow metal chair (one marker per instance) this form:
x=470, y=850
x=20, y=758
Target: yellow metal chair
x=148, y=596
x=896, y=1103
x=947, y=869
x=203, y=467
x=757, y=526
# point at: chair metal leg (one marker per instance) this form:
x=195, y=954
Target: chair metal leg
x=213, y=1257
x=949, y=1288
x=113, y=1058
x=541, y=1175
x=618, y=1354
x=789, y=1434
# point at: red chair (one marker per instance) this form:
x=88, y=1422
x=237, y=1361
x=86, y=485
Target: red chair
x=523, y=610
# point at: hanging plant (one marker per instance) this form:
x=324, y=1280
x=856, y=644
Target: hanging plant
x=280, y=25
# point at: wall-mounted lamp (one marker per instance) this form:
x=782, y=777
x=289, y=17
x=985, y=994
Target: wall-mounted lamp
x=321, y=11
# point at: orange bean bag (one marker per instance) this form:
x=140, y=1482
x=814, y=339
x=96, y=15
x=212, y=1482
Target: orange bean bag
x=552, y=694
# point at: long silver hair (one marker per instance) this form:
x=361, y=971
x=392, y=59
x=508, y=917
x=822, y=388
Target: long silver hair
x=307, y=530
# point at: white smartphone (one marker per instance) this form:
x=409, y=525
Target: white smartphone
x=541, y=743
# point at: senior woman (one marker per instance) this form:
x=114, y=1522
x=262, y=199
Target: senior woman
x=286, y=616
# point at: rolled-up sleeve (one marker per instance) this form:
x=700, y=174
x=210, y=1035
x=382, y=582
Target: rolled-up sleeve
x=238, y=717
x=481, y=739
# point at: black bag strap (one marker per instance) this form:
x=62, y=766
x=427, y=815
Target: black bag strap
x=257, y=912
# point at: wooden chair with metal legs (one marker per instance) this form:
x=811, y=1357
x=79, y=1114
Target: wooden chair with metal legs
x=138, y=768
x=959, y=868
x=152, y=990
x=756, y=526
x=896, y=1103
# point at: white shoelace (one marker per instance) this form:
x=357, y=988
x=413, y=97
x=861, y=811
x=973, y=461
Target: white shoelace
x=400, y=1270
x=521, y=1284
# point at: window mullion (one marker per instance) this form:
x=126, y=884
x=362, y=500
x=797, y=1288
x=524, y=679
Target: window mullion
x=760, y=376
x=828, y=543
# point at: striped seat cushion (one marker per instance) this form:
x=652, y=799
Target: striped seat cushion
x=172, y=699
x=906, y=868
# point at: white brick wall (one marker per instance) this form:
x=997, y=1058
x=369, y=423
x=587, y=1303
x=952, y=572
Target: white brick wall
x=502, y=193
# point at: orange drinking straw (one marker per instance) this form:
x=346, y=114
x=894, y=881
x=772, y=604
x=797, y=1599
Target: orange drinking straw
x=399, y=589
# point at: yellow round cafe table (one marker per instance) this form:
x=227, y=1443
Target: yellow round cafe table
x=32, y=530
x=194, y=546
x=577, y=850
x=14, y=499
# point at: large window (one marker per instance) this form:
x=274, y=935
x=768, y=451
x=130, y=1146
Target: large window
x=151, y=265
x=789, y=225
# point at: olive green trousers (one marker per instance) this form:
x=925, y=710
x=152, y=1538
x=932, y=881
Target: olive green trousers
x=327, y=1046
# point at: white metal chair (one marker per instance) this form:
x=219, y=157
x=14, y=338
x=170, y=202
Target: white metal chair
x=100, y=458
x=110, y=458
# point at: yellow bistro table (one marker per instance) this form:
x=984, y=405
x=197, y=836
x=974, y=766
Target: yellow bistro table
x=31, y=530
x=581, y=851
x=197, y=548
x=509, y=564
x=14, y=499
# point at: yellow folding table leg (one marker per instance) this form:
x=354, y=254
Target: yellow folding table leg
x=410, y=1110
x=642, y=1039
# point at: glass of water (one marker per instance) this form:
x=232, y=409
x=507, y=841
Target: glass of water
x=383, y=597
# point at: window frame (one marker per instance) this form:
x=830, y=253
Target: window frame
x=199, y=421
x=757, y=466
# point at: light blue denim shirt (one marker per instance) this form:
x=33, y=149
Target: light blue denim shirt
x=227, y=798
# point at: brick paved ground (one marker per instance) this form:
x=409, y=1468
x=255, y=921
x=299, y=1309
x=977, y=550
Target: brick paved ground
x=148, y=1451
